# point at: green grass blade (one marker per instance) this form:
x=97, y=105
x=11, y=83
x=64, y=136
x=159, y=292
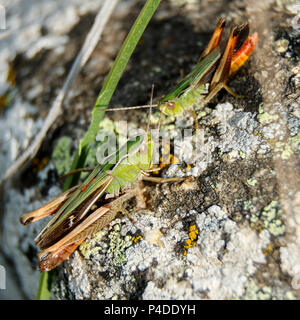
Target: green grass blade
x=44, y=287
x=110, y=85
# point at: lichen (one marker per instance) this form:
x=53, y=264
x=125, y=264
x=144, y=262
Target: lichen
x=118, y=245
x=192, y=240
x=247, y=205
x=270, y=219
x=114, y=244
x=264, y=117
x=252, y=182
x=235, y=139
x=290, y=295
x=253, y=292
x=281, y=45
x=88, y=248
x=286, y=150
x=61, y=155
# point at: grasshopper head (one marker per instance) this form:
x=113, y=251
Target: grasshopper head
x=170, y=108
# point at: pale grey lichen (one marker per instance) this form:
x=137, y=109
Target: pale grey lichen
x=290, y=259
x=217, y=275
x=236, y=138
x=239, y=132
x=293, y=125
x=79, y=283
x=207, y=269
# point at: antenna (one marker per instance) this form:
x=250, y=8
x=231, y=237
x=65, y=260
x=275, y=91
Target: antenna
x=151, y=98
x=133, y=107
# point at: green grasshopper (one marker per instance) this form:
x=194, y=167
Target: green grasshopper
x=212, y=71
x=65, y=231
x=73, y=221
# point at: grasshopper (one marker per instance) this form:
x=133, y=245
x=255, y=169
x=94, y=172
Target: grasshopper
x=73, y=221
x=213, y=69
x=211, y=73
x=58, y=245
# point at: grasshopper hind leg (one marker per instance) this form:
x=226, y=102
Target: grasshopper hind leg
x=163, y=180
x=194, y=115
x=229, y=90
x=125, y=212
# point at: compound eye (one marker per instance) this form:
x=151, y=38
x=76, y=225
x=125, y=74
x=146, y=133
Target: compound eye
x=171, y=105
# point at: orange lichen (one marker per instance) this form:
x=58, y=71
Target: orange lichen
x=136, y=239
x=193, y=236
